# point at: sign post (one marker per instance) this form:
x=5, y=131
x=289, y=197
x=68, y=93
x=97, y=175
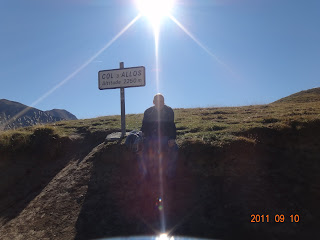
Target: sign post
x=123, y=109
x=121, y=78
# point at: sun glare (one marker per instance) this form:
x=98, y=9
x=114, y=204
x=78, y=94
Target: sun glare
x=155, y=10
x=164, y=236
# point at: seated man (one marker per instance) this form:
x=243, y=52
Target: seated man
x=159, y=130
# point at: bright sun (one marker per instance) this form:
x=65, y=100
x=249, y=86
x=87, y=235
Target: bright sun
x=155, y=10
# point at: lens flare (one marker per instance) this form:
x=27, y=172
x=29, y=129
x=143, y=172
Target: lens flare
x=155, y=10
x=156, y=46
x=164, y=236
x=64, y=81
x=228, y=68
x=159, y=204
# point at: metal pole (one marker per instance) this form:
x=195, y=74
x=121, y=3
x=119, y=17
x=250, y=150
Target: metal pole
x=123, y=111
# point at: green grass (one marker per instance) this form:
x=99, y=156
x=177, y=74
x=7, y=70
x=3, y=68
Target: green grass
x=311, y=95
x=21, y=138
x=222, y=125
x=216, y=126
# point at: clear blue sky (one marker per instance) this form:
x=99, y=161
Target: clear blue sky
x=267, y=49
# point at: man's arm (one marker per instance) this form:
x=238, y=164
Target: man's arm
x=172, y=125
x=173, y=130
x=143, y=127
x=146, y=127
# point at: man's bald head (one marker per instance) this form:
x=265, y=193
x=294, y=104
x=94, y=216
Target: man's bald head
x=158, y=101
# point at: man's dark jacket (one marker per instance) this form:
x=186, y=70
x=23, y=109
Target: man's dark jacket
x=159, y=123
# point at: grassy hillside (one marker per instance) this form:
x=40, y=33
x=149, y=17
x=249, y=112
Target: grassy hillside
x=311, y=95
x=216, y=126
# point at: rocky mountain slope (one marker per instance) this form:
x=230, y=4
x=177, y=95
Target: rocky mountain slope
x=61, y=113
x=14, y=115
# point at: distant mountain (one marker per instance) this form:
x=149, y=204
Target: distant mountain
x=311, y=95
x=62, y=114
x=14, y=115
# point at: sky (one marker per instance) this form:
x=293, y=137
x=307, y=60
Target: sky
x=210, y=53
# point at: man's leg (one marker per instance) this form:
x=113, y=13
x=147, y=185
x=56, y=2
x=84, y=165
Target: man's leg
x=172, y=161
x=142, y=158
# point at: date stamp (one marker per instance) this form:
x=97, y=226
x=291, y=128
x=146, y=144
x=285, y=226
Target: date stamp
x=278, y=218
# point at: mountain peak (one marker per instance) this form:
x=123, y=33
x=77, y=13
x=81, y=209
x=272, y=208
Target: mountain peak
x=14, y=114
x=62, y=113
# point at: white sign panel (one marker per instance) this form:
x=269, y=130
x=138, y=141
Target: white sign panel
x=122, y=78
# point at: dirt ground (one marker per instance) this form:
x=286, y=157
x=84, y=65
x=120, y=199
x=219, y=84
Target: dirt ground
x=85, y=189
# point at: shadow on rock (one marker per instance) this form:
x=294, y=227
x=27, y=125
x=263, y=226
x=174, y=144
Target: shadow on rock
x=120, y=202
x=26, y=173
x=213, y=195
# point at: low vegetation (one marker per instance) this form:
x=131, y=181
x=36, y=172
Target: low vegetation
x=216, y=126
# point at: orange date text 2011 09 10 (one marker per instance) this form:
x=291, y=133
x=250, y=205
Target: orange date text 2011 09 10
x=278, y=218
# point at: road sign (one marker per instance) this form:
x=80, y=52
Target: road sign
x=122, y=78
